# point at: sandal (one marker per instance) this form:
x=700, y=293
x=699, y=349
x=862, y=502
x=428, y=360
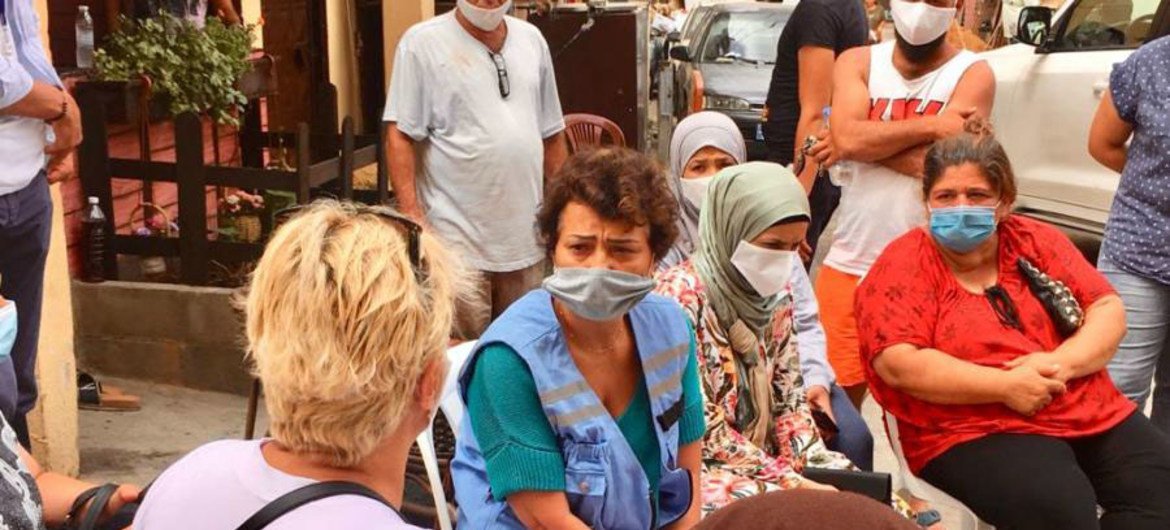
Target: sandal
x=928, y=518
x=91, y=395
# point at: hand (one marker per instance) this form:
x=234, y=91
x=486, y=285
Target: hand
x=67, y=129
x=1042, y=361
x=1029, y=390
x=953, y=123
x=61, y=167
x=806, y=251
x=823, y=152
x=806, y=484
x=818, y=399
x=125, y=494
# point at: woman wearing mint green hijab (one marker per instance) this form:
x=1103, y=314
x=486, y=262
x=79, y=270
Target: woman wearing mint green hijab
x=737, y=294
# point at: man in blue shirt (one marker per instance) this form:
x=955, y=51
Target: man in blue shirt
x=39, y=127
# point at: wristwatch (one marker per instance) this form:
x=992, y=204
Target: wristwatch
x=64, y=108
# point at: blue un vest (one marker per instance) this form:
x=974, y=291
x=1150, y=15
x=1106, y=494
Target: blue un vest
x=604, y=482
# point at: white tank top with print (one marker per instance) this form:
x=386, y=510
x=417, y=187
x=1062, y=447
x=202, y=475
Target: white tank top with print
x=879, y=204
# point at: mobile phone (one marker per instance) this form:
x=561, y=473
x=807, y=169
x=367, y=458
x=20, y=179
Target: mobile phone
x=825, y=424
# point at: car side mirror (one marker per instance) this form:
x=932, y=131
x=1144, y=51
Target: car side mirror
x=680, y=52
x=673, y=37
x=1034, y=25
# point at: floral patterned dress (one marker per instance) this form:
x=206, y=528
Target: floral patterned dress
x=734, y=467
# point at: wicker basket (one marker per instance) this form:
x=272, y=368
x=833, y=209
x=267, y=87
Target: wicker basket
x=153, y=266
x=416, y=473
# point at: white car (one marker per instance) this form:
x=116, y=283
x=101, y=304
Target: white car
x=1048, y=89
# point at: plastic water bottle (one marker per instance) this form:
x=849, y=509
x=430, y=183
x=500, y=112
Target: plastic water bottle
x=841, y=173
x=84, y=38
x=94, y=242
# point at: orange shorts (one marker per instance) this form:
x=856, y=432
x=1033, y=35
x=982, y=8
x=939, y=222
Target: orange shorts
x=835, y=291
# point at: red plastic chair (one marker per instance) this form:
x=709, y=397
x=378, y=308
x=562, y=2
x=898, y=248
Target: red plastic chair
x=585, y=131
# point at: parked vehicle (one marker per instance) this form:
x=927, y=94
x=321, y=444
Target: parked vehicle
x=723, y=61
x=1048, y=89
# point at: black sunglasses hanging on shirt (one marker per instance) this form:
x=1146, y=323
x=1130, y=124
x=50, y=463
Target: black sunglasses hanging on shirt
x=501, y=74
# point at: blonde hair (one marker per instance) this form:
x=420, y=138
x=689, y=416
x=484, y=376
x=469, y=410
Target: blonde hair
x=340, y=330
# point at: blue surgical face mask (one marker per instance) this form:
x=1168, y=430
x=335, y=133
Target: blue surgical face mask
x=962, y=228
x=7, y=328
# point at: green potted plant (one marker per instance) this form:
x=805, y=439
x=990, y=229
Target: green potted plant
x=191, y=69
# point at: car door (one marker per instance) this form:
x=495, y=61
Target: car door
x=691, y=36
x=1048, y=99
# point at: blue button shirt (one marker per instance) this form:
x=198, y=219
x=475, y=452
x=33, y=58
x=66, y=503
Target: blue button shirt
x=1137, y=237
x=31, y=63
x=22, y=140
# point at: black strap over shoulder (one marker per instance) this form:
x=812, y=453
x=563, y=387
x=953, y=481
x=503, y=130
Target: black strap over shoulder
x=304, y=495
x=101, y=495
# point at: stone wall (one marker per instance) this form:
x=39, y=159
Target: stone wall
x=171, y=334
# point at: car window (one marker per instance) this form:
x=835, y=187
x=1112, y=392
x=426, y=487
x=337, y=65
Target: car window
x=743, y=36
x=694, y=20
x=1103, y=24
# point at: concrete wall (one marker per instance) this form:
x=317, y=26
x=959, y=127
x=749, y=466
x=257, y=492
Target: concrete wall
x=54, y=421
x=171, y=334
x=343, y=68
x=400, y=15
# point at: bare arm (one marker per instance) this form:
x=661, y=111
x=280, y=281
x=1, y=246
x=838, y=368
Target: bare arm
x=974, y=96
x=1108, y=136
x=858, y=138
x=226, y=11
x=402, y=172
x=816, y=90
x=690, y=458
x=855, y=137
x=540, y=510
x=42, y=103
x=556, y=151
x=1091, y=348
x=59, y=491
x=911, y=162
x=936, y=377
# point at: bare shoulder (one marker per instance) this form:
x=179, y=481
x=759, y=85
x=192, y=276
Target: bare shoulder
x=979, y=74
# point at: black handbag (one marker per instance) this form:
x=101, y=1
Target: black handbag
x=1057, y=299
x=877, y=486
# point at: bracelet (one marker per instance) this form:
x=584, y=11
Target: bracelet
x=64, y=108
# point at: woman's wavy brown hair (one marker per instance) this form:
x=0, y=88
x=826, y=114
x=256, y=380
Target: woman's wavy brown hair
x=620, y=185
x=976, y=145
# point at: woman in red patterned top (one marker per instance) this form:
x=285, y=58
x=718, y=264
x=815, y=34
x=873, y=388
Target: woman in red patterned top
x=993, y=404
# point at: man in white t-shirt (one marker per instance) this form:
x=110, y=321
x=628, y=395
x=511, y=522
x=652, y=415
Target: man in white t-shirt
x=475, y=128
x=891, y=101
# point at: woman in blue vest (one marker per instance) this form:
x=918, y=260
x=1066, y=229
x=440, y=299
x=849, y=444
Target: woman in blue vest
x=584, y=408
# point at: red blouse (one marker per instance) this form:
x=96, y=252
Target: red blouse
x=911, y=296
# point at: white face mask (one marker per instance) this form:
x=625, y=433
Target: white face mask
x=485, y=19
x=694, y=190
x=767, y=270
x=919, y=22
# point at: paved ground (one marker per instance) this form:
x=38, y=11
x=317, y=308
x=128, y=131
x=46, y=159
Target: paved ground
x=134, y=447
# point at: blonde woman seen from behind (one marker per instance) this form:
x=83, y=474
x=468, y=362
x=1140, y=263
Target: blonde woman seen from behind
x=348, y=316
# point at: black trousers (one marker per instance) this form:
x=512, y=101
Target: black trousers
x=26, y=218
x=1030, y=482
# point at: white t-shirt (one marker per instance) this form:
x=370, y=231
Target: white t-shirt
x=220, y=485
x=481, y=155
x=879, y=204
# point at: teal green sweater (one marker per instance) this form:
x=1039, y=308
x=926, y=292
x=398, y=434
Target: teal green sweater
x=518, y=443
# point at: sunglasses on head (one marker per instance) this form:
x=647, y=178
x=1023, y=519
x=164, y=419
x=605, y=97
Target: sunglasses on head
x=413, y=230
